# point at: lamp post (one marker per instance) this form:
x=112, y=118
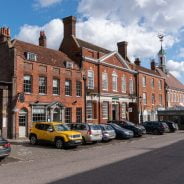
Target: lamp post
x=84, y=79
x=141, y=115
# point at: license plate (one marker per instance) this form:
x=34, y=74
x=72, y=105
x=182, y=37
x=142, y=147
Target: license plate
x=77, y=141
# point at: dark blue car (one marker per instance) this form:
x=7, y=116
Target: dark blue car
x=5, y=148
x=121, y=133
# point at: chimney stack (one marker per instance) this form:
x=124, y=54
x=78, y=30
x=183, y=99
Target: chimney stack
x=137, y=62
x=4, y=34
x=122, y=49
x=153, y=64
x=42, y=39
x=69, y=26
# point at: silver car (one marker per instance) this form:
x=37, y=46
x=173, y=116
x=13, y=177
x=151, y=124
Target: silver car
x=90, y=132
x=108, y=132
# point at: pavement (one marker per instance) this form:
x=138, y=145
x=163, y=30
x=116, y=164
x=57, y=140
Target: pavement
x=151, y=159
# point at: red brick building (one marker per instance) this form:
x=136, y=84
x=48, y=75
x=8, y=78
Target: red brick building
x=150, y=91
x=37, y=84
x=110, y=82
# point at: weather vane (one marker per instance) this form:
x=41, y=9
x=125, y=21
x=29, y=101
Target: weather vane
x=161, y=37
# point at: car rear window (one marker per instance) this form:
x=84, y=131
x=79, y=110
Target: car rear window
x=95, y=127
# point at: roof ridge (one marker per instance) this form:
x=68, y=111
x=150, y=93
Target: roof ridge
x=78, y=39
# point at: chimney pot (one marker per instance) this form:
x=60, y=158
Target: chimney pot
x=122, y=49
x=137, y=62
x=153, y=65
x=4, y=34
x=42, y=39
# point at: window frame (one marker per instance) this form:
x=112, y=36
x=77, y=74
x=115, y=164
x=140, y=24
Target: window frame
x=123, y=84
x=68, y=89
x=42, y=88
x=90, y=79
x=29, y=85
x=114, y=83
x=56, y=89
x=105, y=81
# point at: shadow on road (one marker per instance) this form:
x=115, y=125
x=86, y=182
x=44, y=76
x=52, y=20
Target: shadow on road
x=161, y=166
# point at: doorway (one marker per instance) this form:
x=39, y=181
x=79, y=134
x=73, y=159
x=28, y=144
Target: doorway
x=57, y=115
x=115, y=111
x=23, y=117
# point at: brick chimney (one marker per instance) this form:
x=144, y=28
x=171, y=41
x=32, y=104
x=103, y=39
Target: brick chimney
x=153, y=64
x=122, y=49
x=4, y=34
x=137, y=62
x=69, y=26
x=42, y=39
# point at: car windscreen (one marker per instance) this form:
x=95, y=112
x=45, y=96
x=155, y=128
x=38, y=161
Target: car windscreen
x=108, y=127
x=95, y=127
x=130, y=123
x=61, y=127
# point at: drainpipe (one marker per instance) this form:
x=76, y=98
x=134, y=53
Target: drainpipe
x=99, y=82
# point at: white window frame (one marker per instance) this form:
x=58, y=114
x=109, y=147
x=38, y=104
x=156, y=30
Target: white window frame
x=152, y=82
x=89, y=110
x=104, y=81
x=105, y=110
x=90, y=79
x=123, y=84
x=144, y=81
x=144, y=97
x=131, y=86
x=31, y=56
x=114, y=82
x=160, y=85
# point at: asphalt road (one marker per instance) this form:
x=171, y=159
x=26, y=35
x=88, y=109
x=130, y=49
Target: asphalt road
x=162, y=166
x=148, y=160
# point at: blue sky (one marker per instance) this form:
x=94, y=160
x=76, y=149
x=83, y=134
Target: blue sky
x=104, y=22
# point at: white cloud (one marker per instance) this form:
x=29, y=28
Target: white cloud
x=53, y=30
x=176, y=68
x=181, y=52
x=46, y=3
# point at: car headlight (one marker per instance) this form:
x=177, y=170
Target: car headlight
x=70, y=136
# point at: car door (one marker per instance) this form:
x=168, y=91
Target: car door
x=39, y=131
x=47, y=134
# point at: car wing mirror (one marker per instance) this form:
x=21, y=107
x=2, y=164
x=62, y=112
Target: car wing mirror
x=50, y=130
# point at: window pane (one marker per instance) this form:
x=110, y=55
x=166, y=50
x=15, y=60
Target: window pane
x=42, y=85
x=105, y=111
x=89, y=109
x=68, y=115
x=90, y=79
x=68, y=87
x=27, y=84
x=79, y=115
x=78, y=88
x=56, y=86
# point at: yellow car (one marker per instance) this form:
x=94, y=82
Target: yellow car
x=54, y=132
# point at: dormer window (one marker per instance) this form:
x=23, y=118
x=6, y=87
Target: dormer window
x=31, y=56
x=69, y=64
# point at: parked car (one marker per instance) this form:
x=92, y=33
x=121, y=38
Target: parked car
x=5, y=148
x=55, y=133
x=154, y=127
x=121, y=133
x=166, y=127
x=108, y=133
x=138, y=130
x=172, y=126
x=91, y=133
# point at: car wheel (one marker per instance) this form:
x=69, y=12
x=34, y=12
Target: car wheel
x=156, y=132
x=33, y=139
x=59, y=144
x=83, y=141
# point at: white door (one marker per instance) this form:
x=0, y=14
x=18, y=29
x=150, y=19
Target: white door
x=23, y=123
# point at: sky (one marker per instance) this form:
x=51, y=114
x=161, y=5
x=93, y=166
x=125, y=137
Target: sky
x=104, y=22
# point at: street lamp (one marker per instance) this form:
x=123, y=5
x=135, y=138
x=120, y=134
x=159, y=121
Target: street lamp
x=141, y=115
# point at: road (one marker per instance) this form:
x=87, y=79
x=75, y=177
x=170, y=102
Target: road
x=148, y=160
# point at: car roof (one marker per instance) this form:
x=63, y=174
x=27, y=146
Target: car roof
x=50, y=123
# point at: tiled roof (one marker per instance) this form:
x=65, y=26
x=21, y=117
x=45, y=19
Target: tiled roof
x=92, y=46
x=170, y=80
x=146, y=70
x=44, y=55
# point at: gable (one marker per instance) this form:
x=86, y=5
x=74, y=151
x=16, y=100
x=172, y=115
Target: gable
x=114, y=59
